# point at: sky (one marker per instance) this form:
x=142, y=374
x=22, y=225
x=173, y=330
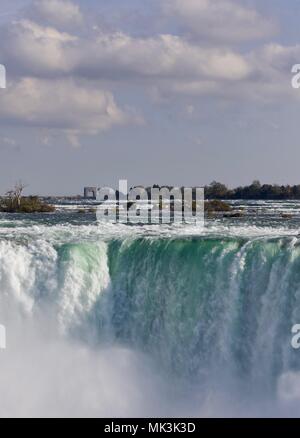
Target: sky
x=177, y=92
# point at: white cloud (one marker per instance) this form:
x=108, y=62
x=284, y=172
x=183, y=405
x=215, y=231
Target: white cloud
x=268, y=79
x=57, y=13
x=34, y=49
x=61, y=104
x=165, y=56
x=169, y=65
x=222, y=21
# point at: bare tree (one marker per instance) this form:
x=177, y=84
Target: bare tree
x=19, y=188
x=15, y=195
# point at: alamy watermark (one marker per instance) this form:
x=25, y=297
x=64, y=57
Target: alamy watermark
x=2, y=76
x=295, y=342
x=2, y=327
x=2, y=337
x=152, y=205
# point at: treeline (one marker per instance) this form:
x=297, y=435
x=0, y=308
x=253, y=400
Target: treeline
x=254, y=191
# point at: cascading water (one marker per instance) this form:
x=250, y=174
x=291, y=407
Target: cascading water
x=202, y=318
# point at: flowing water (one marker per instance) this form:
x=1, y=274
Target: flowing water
x=115, y=320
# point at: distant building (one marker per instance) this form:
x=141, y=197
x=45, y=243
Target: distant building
x=90, y=192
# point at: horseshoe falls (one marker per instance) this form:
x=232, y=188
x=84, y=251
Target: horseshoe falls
x=110, y=320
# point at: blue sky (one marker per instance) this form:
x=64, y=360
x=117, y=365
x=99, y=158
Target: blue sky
x=163, y=91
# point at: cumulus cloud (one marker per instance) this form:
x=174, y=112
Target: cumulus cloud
x=183, y=67
x=31, y=48
x=121, y=57
x=170, y=64
x=222, y=21
x=52, y=63
x=61, y=104
x=57, y=13
x=37, y=50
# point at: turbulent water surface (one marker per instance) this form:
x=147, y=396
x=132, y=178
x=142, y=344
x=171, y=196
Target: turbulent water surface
x=114, y=320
